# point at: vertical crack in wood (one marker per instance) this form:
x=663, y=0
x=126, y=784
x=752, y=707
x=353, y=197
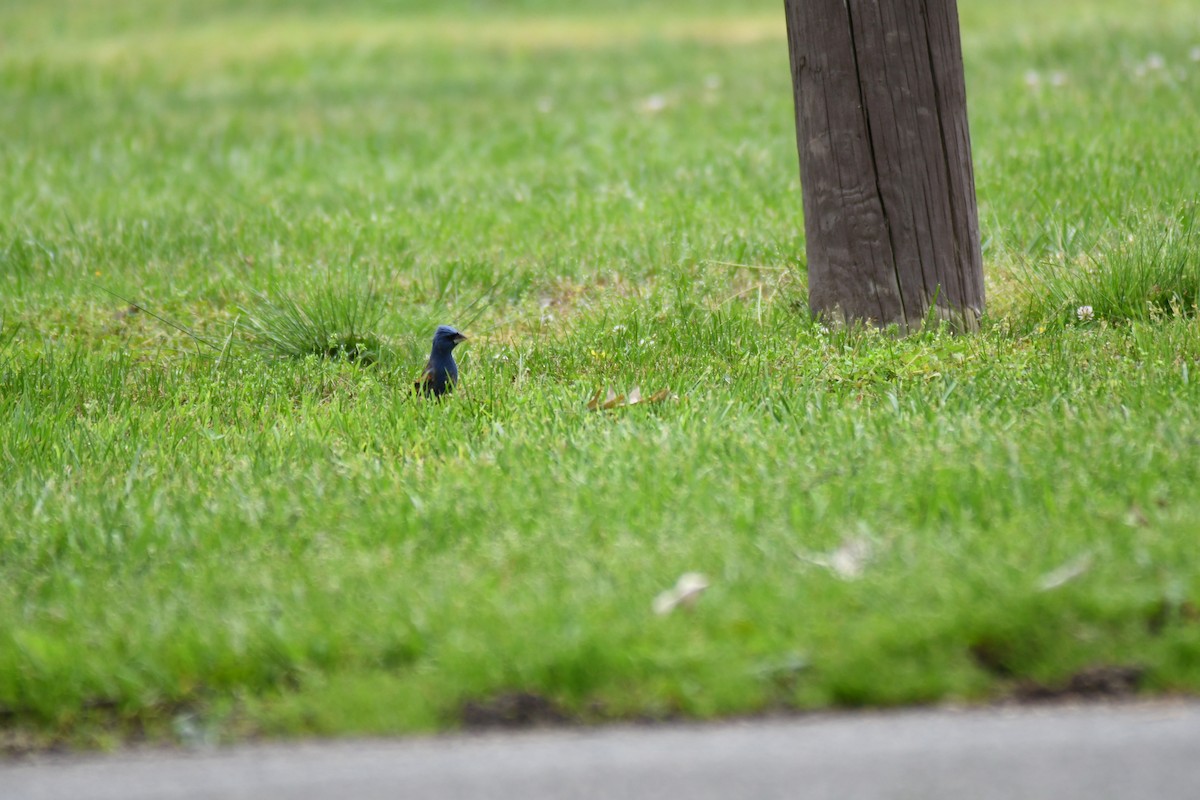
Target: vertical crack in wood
x=883, y=210
x=837, y=168
x=960, y=297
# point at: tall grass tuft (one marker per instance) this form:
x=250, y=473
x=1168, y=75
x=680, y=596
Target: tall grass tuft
x=1148, y=272
x=335, y=322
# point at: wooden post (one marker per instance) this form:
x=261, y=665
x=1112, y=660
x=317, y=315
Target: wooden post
x=885, y=161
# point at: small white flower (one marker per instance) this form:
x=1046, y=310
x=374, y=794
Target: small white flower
x=1084, y=313
x=654, y=103
x=545, y=104
x=1058, y=78
x=1033, y=79
x=712, y=82
x=1155, y=61
x=618, y=329
x=1194, y=53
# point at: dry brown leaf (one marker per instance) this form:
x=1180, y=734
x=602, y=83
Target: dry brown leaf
x=1075, y=568
x=683, y=594
x=613, y=400
x=847, y=561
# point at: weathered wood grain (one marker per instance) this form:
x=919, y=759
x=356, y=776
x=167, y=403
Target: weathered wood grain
x=885, y=160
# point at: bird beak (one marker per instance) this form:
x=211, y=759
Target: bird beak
x=458, y=337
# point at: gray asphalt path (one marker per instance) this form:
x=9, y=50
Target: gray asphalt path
x=1143, y=751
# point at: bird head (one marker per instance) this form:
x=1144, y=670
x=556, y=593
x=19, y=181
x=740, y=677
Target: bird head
x=447, y=337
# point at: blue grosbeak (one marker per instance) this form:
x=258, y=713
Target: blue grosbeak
x=441, y=373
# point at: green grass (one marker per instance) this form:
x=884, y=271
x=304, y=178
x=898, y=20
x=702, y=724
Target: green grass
x=206, y=541
x=335, y=323
x=1143, y=273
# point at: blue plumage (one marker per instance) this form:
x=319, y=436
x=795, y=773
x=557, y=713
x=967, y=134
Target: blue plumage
x=441, y=373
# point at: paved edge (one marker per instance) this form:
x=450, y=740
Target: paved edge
x=1111, y=750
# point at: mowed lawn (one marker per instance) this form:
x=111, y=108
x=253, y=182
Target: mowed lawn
x=205, y=535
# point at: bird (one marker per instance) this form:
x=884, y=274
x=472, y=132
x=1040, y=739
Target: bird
x=441, y=373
